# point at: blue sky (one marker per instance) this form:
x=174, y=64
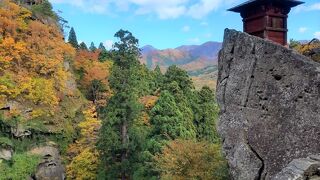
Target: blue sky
x=171, y=23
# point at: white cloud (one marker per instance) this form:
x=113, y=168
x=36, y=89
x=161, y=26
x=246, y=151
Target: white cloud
x=317, y=35
x=163, y=9
x=204, y=7
x=313, y=7
x=108, y=44
x=94, y=6
x=185, y=28
x=302, y=29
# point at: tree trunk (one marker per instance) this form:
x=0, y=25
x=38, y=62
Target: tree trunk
x=124, y=138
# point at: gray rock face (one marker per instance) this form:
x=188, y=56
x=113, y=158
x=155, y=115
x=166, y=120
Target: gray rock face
x=5, y=154
x=20, y=131
x=270, y=106
x=301, y=169
x=50, y=166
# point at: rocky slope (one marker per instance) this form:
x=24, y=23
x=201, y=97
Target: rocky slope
x=270, y=106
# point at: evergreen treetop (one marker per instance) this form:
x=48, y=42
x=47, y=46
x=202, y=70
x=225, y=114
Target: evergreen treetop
x=83, y=46
x=92, y=47
x=73, y=38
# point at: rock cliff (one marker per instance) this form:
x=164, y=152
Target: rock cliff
x=269, y=97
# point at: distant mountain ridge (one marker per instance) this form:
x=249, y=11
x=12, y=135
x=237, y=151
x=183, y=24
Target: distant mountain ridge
x=199, y=60
x=188, y=57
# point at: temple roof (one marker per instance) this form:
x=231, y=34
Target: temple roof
x=253, y=3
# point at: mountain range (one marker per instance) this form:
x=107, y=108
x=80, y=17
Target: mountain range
x=188, y=57
x=199, y=60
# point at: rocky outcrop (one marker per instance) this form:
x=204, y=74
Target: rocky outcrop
x=6, y=153
x=301, y=169
x=269, y=97
x=50, y=166
x=20, y=131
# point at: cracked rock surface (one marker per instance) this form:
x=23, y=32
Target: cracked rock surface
x=269, y=97
x=301, y=169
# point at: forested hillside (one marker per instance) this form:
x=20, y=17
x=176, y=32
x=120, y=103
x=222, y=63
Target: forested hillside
x=200, y=61
x=92, y=113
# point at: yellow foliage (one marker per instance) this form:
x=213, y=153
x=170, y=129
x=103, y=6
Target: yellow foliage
x=37, y=113
x=309, y=49
x=83, y=153
x=42, y=91
x=187, y=159
x=7, y=85
x=90, y=127
x=148, y=101
x=84, y=166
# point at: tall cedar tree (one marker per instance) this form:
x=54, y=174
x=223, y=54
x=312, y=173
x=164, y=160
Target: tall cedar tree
x=73, y=38
x=92, y=47
x=168, y=120
x=158, y=77
x=83, y=46
x=103, y=53
x=101, y=47
x=116, y=142
x=206, y=114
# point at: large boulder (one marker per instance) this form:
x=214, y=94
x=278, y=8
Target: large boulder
x=269, y=97
x=50, y=166
x=6, y=153
x=301, y=169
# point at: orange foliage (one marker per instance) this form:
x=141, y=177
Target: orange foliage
x=92, y=69
x=31, y=58
x=97, y=71
x=11, y=51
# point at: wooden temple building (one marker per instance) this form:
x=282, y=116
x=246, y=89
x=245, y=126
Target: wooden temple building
x=266, y=18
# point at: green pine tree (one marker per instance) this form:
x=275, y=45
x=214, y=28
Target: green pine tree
x=175, y=74
x=101, y=47
x=92, y=47
x=158, y=77
x=117, y=138
x=206, y=115
x=104, y=54
x=168, y=121
x=73, y=38
x=83, y=46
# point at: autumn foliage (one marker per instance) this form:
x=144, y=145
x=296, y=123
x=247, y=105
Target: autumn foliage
x=32, y=56
x=187, y=159
x=311, y=49
x=83, y=155
x=93, y=76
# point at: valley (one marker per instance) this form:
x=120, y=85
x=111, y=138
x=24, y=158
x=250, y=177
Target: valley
x=200, y=61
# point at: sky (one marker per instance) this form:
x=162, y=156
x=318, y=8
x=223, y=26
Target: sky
x=171, y=23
